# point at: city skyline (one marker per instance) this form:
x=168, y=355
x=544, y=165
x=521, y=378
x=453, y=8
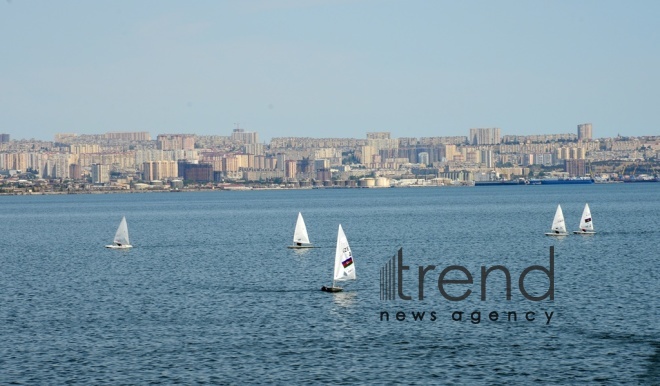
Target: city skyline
x=472, y=136
x=484, y=155
x=328, y=69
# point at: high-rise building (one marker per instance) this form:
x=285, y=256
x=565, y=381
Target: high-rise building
x=176, y=142
x=378, y=135
x=254, y=148
x=291, y=169
x=166, y=169
x=584, y=131
x=83, y=148
x=543, y=159
x=44, y=169
x=181, y=165
x=100, y=173
x=270, y=163
x=259, y=162
x=473, y=156
x=159, y=170
x=448, y=151
x=321, y=164
x=242, y=160
x=129, y=136
x=59, y=165
x=423, y=158
x=240, y=135
x=281, y=161
x=487, y=136
x=382, y=141
x=4, y=138
x=198, y=172
x=75, y=171
x=367, y=156
x=230, y=164
x=487, y=158
x=575, y=167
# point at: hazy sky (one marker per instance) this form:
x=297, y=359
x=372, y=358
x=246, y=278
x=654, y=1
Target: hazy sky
x=329, y=68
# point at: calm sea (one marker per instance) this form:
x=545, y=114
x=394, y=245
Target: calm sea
x=210, y=293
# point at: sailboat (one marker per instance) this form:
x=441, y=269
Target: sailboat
x=558, y=224
x=586, y=224
x=300, y=238
x=344, y=265
x=121, y=237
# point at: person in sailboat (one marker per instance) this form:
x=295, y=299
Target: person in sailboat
x=298, y=244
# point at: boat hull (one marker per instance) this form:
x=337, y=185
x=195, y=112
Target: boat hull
x=499, y=183
x=556, y=234
x=584, y=233
x=331, y=289
x=119, y=246
x=570, y=181
x=300, y=246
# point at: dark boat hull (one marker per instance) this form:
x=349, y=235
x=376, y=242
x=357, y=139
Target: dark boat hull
x=499, y=183
x=577, y=181
x=331, y=289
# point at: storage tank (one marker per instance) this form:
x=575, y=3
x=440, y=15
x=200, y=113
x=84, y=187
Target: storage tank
x=382, y=182
x=367, y=182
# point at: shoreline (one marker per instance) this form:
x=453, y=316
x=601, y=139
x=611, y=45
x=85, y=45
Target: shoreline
x=250, y=188
x=232, y=189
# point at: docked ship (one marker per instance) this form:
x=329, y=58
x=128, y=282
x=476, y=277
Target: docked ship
x=561, y=181
x=642, y=178
x=519, y=181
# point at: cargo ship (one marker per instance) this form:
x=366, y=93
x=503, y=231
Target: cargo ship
x=500, y=182
x=561, y=181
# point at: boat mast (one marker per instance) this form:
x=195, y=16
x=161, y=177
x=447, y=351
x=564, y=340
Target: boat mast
x=333, y=278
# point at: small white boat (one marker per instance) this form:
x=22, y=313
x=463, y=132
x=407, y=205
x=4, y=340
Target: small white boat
x=586, y=223
x=558, y=224
x=344, y=265
x=121, y=237
x=300, y=237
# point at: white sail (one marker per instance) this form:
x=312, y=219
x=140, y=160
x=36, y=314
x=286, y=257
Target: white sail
x=344, y=264
x=121, y=237
x=586, y=223
x=300, y=234
x=558, y=224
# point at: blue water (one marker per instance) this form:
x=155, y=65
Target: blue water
x=210, y=293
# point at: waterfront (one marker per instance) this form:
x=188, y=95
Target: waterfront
x=211, y=294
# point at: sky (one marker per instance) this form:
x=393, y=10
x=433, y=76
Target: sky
x=320, y=68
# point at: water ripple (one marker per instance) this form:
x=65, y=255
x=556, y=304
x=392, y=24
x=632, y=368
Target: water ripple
x=211, y=294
